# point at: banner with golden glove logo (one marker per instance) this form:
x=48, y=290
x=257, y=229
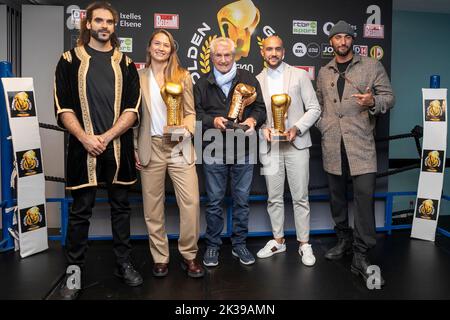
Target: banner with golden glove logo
x=31, y=220
x=433, y=164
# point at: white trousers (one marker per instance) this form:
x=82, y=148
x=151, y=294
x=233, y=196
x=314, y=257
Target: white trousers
x=295, y=163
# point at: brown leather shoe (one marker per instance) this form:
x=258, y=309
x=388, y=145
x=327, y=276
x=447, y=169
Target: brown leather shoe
x=160, y=269
x=193, y=268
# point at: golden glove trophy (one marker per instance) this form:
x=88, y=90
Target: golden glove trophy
x=237, y=21
x=243, y=95
x=426, y=209
x=432, y=161
x=280, y=106
x=435, y=110
x=172, y=94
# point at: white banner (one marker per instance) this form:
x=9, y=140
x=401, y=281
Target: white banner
x=433, y=164
x=24, y=124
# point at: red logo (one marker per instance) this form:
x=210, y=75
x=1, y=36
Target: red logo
x=311, y=71
x=375, y=31
x=139, y=65
x=361, y=50
x=167, y=21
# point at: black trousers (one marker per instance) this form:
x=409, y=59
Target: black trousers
x=364, y=236
x=81, y=212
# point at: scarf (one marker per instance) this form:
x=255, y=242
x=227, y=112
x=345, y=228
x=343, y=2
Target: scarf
x=224, y=80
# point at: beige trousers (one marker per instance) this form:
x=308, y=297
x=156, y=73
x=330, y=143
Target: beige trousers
x=185, y=182
x=295, y=163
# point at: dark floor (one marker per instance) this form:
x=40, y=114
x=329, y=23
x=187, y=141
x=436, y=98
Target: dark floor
x=413, y=269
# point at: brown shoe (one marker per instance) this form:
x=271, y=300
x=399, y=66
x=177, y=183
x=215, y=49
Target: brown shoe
x=193, y=268
x=160, y=269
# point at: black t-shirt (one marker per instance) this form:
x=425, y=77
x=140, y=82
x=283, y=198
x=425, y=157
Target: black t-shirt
x=342, y=67
x=100, y=89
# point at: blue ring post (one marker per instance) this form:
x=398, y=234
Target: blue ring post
x=6, y=162
x=435, y=81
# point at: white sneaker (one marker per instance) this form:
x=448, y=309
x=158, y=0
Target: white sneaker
x=270, y=249
x=307, y=255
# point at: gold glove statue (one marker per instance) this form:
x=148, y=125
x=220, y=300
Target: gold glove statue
x=237, y=21
x=172, y=94
x=435, y=110
x=280, y=105
x=22, y=104
x=427, y=209
x=432, y=161
x=243, y=95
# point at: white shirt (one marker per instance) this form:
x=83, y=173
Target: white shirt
x=275, y=80
x=158, y=108
x=275, y=83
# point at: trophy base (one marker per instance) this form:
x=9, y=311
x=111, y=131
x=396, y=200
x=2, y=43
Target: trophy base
x=231, y=125
x=173, y=134
x=279, y=137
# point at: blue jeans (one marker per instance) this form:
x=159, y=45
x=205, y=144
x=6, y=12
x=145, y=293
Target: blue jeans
x=216, y=179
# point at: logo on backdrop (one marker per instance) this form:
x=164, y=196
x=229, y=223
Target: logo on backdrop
x=433, y=161
x=304, y=27
x=374, y=31
x=139, y=65
x=377, y=52
x=311, y=71
x=21, y=104
x=435, y=110
x=237, y=21
x=126, y=44
x=361, y=50
x=75, y=16
x=327, y=51
x=313, y=50
x=130, y=20
x=29, y=162
x=299, y=49
x=426, y=208
x=166, y=21
x=32, y=218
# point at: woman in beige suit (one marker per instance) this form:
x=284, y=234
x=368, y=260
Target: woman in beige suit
x=155, y=156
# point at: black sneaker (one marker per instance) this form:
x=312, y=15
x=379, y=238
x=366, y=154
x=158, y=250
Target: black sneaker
x=128, y=274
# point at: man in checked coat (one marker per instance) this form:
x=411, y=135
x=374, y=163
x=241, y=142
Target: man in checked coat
x=351, y=90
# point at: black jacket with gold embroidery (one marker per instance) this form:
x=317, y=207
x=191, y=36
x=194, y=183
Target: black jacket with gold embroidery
x=70, y=95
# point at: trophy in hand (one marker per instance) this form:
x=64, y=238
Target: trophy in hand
x=243, y=96
x=280, y=105
x=172, y=94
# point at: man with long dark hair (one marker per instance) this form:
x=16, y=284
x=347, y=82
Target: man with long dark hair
x=97, y=99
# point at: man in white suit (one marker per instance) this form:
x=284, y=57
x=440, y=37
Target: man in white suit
x=292, y=156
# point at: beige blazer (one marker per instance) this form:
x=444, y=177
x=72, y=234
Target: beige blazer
x=142, y=136
x=304, y=110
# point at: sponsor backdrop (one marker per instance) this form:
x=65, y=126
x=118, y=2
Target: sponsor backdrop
x=30, y=222
x=431, y=177
x=303, y=25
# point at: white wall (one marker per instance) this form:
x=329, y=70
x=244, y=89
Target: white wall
x=42, y=45
x=3, y=33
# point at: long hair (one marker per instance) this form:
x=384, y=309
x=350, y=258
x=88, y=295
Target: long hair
x=85, y=33
x=173, y=71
